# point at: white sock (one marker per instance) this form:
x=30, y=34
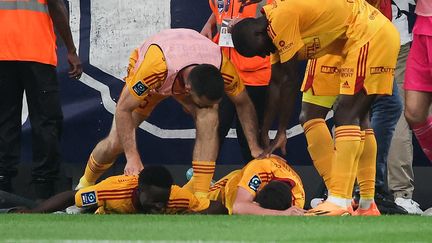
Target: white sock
x=341, y=202
x=365, y=203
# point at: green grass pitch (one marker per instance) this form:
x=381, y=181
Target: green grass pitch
x=203, y=228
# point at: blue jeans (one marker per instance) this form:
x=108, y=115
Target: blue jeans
x=385, y=114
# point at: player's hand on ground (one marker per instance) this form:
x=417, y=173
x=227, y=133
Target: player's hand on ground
x=294, y=211
x=133, y=168
x=249, y=2
x=75, y=66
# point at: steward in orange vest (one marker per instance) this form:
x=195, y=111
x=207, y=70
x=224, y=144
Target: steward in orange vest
x=28, y=63
x=255, y=72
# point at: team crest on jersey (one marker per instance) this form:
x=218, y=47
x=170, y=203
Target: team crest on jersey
x=88, y=198
x=140, y=88
x=254, y=183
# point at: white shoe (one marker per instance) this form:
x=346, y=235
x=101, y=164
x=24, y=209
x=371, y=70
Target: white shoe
x=409, y=205
x=316, y=201
x=74, y=210
x=427, y=212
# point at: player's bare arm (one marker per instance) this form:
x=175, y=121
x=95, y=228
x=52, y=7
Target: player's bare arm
x=207, y=30
x=55, y=203
x=248, y=118
x=206, y=143
x=244, y=204
x=126, y=130
x=281, y=98
x=60, y=20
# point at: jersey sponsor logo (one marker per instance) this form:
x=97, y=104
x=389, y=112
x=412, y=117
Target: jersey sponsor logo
x=140, y=88
x=346, y=85
x=346, y=72
x=281, y=43
x=285, y=47
x=329, y=69
x=312, y=47
x=88, y=198
x=380, y=70
x=254, y=183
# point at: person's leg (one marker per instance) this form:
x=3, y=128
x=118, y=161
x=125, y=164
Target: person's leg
x=107, y=150
x=418, y=86
x=385, y=113
x=257, y=95
x=226, y=116
x=11, y=95
x=417, y=114
x=320, y=89
x=349, y=111
x=399, y=166
x=318, y=136
x=46, y=119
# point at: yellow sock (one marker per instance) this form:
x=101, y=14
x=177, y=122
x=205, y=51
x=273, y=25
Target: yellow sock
x=189, y=185
x=367, y=166
x=202, y=176
x=92, y=172
x=347, y=143
x=320, y=147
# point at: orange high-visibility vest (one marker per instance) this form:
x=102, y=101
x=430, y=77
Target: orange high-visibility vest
x=27, y=32
x=255, y=71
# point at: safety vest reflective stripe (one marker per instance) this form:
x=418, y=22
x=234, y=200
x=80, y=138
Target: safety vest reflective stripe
x=258, y=13
x=32, y=5
x=259, y=6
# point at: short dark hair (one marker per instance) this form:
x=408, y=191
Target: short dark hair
x=155, y=175
x=241, y=36
x=206, y=80
x=275, y=195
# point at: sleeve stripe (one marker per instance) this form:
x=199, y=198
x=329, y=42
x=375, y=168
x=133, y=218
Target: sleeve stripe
x=114, y=198
x=116, y=190
x=155, y=75
x=113, y=194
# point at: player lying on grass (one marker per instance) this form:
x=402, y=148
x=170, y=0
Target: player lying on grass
x=266, y=186
x=150, y=192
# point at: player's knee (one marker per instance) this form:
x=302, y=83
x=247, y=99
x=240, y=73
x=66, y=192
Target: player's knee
x=113, y=145
x=414, y=116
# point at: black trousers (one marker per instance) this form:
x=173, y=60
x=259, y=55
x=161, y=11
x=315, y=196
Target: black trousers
x=227, y=114
x=39, y=81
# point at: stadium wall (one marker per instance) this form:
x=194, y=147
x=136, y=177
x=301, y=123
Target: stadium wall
x=105, y=32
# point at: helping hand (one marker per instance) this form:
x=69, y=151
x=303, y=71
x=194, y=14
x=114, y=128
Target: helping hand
x=279, y=142
x=133, y=167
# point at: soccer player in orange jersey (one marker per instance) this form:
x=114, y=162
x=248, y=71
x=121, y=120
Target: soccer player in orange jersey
x=266, y=186
x=366, y=45
x=150, y=192
x=185, y=65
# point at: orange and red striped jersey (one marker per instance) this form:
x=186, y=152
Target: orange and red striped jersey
x=152, y=72
x=112, y=195
x=253, y=177
x=183, y=201
x=118, y=194
x=314, y=28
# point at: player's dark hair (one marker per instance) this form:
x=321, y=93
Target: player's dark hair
x=242, y=36
x=206, y=80
x=275, y=195
x=155, y=175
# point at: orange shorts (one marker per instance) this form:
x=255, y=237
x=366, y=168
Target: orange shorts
x=369, y=68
